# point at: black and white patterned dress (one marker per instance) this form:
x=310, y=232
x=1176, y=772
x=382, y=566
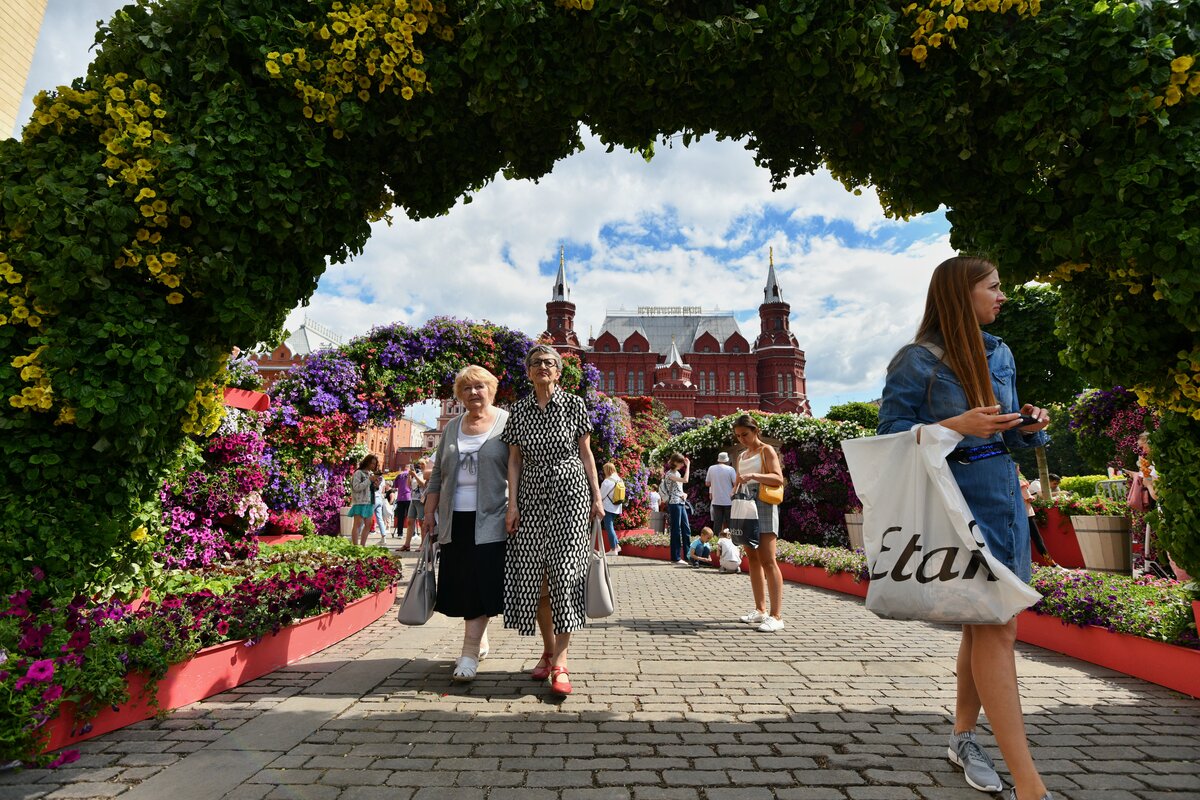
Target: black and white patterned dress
x=554, y=501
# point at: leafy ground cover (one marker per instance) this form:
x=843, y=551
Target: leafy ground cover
x=81, y=651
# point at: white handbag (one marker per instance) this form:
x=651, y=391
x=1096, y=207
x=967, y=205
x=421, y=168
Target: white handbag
x=600, y=601
x=925, y=560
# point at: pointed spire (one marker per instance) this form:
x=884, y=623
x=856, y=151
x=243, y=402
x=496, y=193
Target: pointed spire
x=772, y=293
x=673, y=357
x=560, y=283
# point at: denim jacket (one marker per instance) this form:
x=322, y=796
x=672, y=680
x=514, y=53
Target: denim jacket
x=921, y=389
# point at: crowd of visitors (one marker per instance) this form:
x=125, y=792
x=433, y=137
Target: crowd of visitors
x=511, y=498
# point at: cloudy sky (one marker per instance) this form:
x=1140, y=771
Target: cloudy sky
x=692, y=227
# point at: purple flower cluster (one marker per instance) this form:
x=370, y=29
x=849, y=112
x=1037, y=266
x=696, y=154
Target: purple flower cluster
x=326, y=382
x=817, y=494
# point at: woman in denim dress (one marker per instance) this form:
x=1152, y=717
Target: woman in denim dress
x=961, y=378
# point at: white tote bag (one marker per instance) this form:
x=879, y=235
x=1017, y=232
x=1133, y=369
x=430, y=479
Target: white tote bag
x=599, y=601
x=925, y=559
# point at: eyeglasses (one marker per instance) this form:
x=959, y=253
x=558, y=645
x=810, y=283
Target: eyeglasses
x=548, y=363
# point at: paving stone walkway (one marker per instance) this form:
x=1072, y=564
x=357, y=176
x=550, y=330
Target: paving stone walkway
x=673, y=701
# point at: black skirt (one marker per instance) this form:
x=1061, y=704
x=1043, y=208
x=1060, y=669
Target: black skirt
x=470, y=576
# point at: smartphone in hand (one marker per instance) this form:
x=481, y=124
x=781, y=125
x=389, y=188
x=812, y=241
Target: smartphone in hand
x=1027, y=419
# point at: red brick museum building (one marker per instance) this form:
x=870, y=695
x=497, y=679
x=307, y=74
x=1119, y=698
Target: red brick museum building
x=696, y=362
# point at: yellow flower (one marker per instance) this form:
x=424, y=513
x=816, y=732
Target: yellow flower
x=117, y=93
x=1173, y=95
x=951, y=22
x=919, y=53
x=272, y=68
x=169, y=280
x=339, y=28
x=139, y=535
x=169, y=259
x=143, y=194
x=407, y=93
x=142, y=234
x=185, y=222
x=160, y=206
x=936, y=40
x=1183, y=63
x=174, y=298
x=34, y=320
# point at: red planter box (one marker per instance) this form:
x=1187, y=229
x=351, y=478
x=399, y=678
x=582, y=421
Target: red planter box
x=276, y=538
x=1167, y=665
x=653, y=551
x=243, y=398
x=1060, y=540
x=817, y=576
x=215, y=669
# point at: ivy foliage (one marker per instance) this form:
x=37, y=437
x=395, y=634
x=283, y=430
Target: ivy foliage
x=1026, y=324
x=187, y=192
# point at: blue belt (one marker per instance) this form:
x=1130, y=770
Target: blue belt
x=969, y=455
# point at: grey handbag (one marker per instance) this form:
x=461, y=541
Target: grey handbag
x=600, y=601
x=419, y=600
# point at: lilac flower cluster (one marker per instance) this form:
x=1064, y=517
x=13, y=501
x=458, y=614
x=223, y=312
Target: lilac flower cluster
x=817, y=494
x=326, y=382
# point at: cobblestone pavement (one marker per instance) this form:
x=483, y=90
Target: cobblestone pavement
x=673, y=700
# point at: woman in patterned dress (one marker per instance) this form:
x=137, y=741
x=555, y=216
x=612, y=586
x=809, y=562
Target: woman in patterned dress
x=553, y=493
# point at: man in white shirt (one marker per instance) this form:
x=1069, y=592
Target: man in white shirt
x=719, y=480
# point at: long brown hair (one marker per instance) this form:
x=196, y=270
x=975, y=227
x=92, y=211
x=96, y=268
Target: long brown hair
x=950, y=321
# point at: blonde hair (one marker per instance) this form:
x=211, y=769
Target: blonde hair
x=471, y=374
x=705, y=530
x=609, y=469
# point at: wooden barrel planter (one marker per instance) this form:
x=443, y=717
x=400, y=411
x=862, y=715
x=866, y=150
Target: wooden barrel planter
x=1104, y=542
x=854, y=525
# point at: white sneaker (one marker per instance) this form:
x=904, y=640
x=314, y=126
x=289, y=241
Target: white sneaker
x=754, y=617
x=770, y=625
x=465, y=669
x=617, y=550
x=681, y=561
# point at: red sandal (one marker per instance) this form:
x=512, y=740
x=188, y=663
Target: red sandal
x=557, y=686
x=542, y=673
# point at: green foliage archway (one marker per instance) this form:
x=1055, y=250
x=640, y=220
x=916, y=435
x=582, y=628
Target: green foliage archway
x=187, y=192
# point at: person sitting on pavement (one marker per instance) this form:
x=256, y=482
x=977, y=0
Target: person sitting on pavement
x=731, y=554
x=700, y=552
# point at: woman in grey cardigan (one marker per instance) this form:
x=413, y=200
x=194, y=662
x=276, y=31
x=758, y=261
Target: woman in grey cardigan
x=469, y=492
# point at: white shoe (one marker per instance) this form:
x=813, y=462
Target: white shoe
x=617, y=550
x=681, y=561
x=770, y=625
x=483, y=647
x=465, y=669
x=754, y=617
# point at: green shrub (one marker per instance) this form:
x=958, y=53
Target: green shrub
x=1082, y=485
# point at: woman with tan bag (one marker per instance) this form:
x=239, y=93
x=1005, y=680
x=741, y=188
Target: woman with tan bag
x=759, y=471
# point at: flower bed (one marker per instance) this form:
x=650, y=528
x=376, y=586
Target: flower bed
x=216, y=669
x=825, y=567
x=51, y=653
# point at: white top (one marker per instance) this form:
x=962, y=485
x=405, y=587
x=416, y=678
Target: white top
x=467, y=486
x=606, y=490
x=655, y=499
x=729, y=551
x=674, y=485
x=720, y=483
x=748, y=464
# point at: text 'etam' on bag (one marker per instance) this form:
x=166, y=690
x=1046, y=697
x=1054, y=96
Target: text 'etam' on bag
x=924, y=554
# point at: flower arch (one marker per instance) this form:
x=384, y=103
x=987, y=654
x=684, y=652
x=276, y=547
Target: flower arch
x=188, y=192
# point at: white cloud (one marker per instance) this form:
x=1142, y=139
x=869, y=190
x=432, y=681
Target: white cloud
x=690, y=228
